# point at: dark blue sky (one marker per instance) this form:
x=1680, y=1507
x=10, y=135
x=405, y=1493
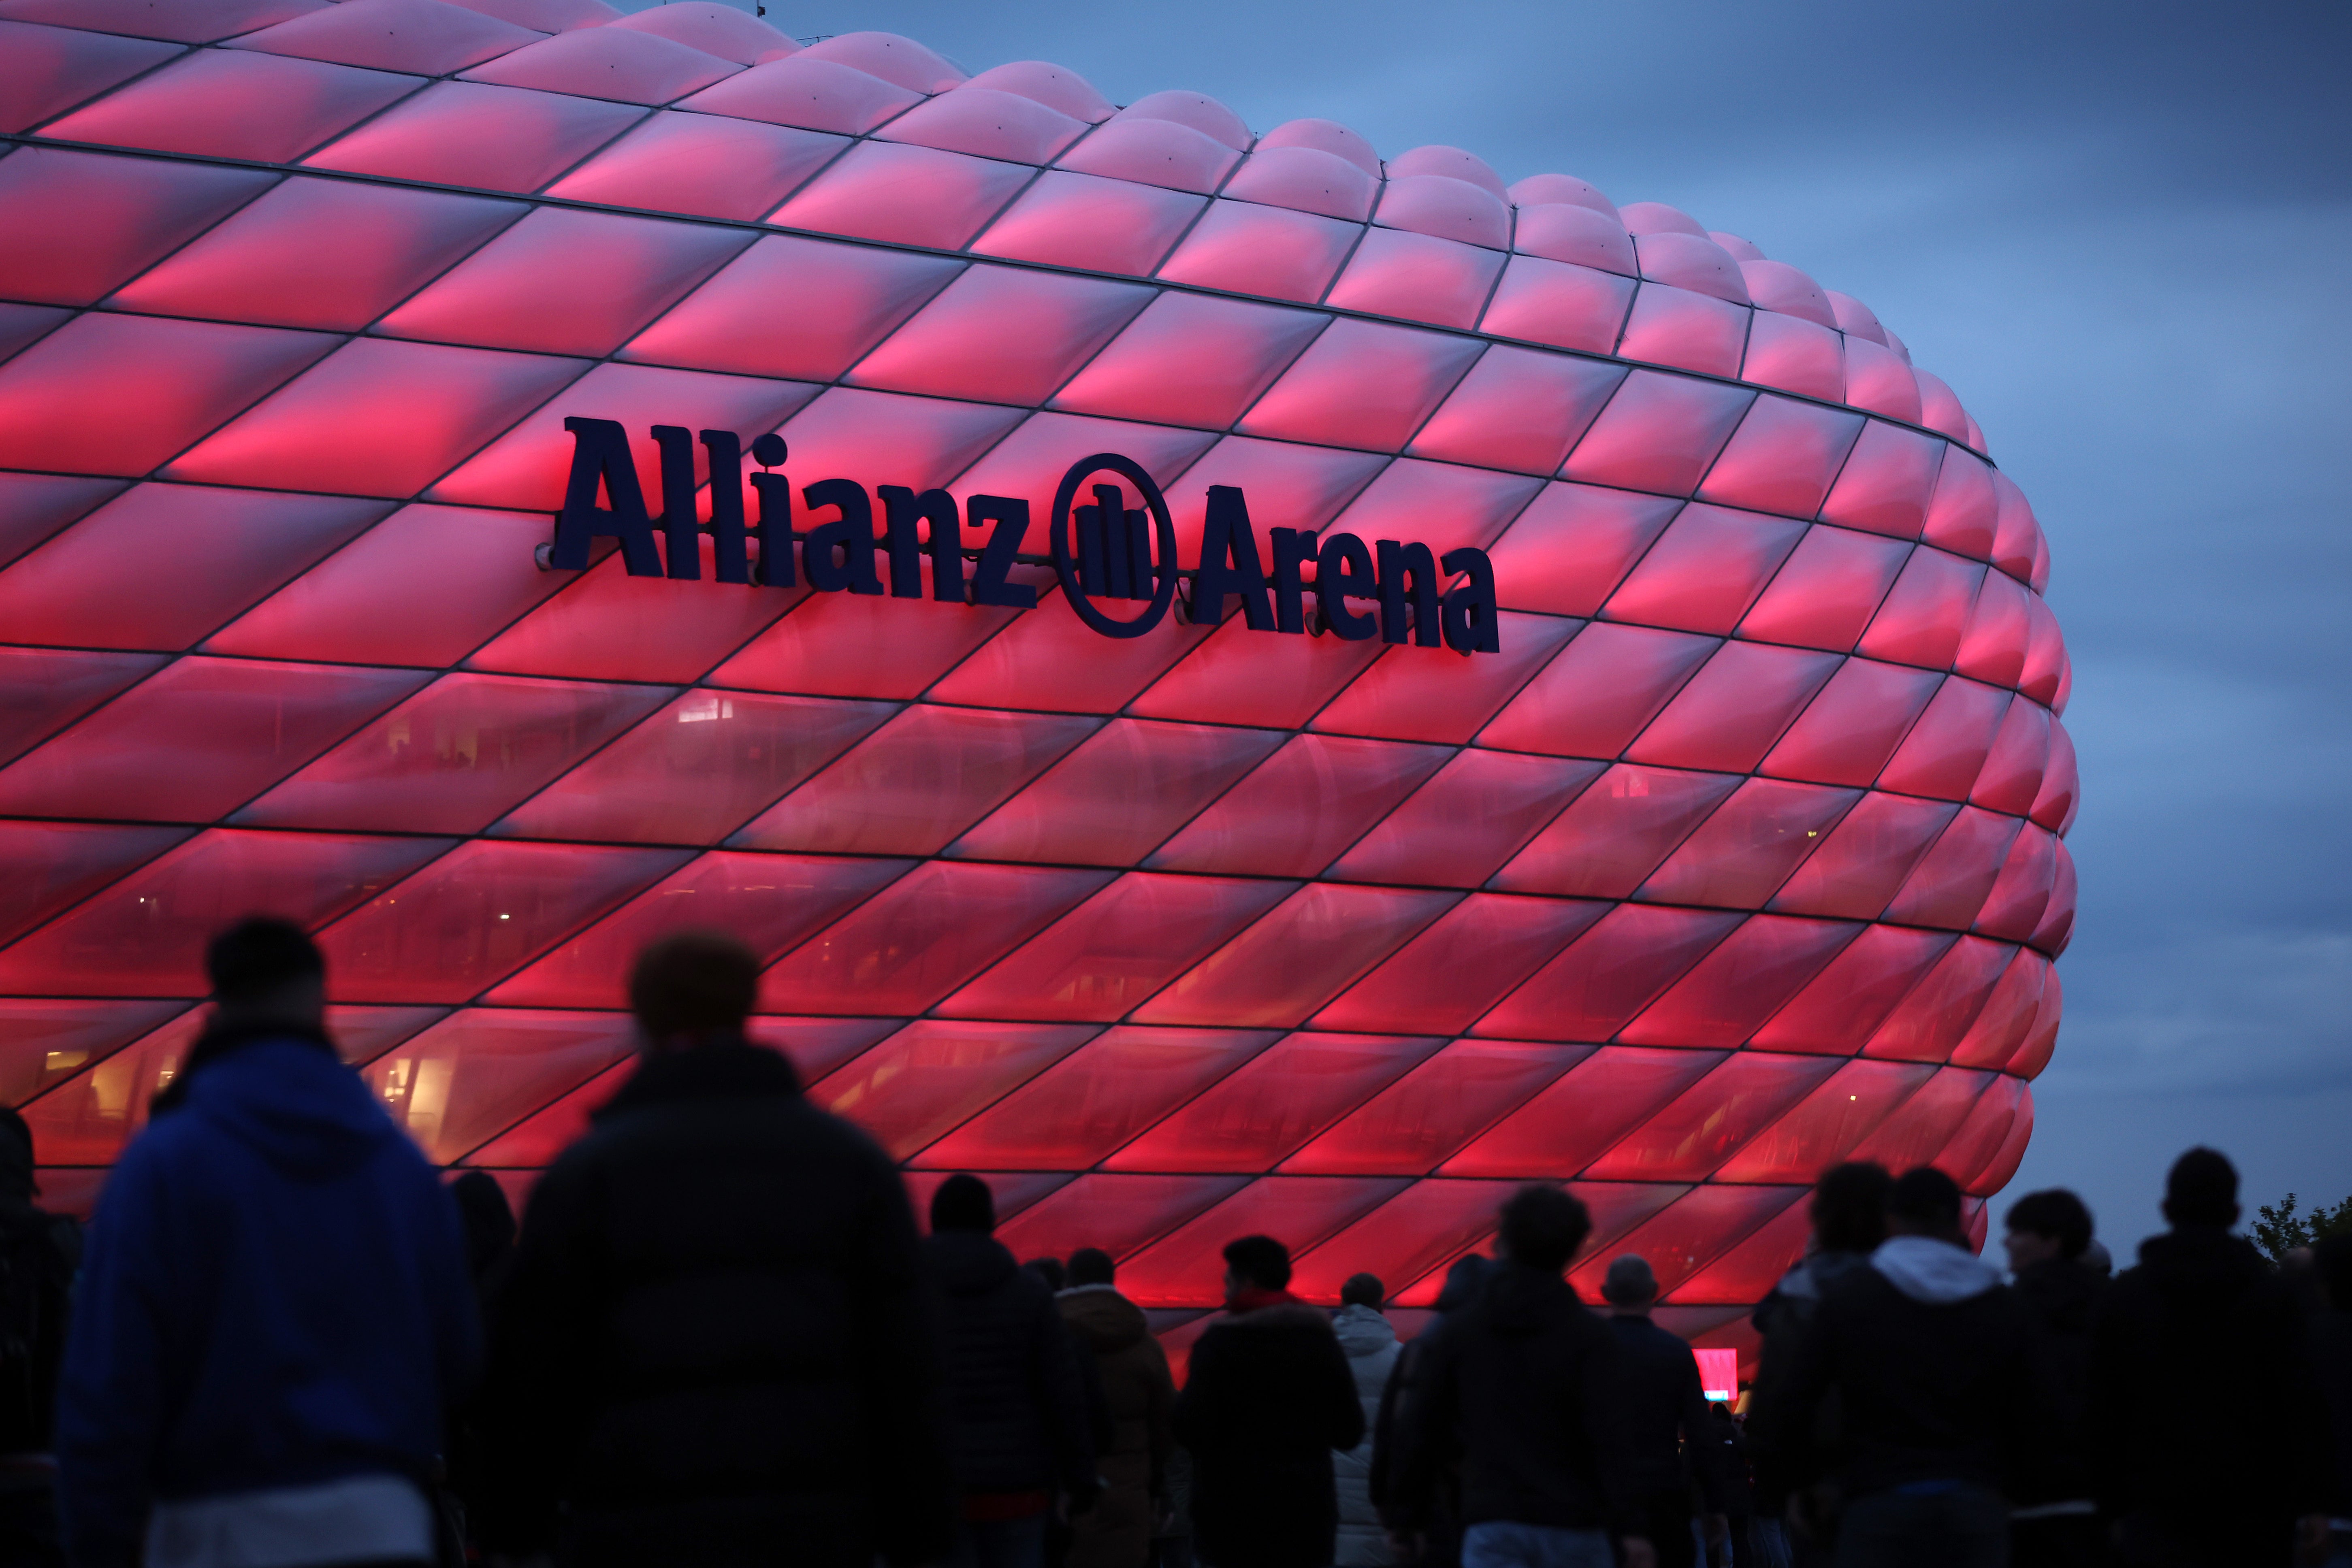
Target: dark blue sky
x=2124, y=235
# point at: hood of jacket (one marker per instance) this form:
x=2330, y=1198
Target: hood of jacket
x=1105, y=1320
x=293, y=1102
x=1362, y=1330
x=1935, y=1274
x=1280, y=1315
x=2201, y=1266
x=969, y=1262
x=2062, y=1291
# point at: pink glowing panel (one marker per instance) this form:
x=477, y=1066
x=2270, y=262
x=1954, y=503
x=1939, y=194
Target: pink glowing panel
x=1473, y=814
x=266, y=107
x=696, y=770
x=1925, y=1123
x=1782, y=458
x=1417, y=276
x=1835, y=1013
x=1561, y=304
x=2017, y=536
x=534, y=1141
x=331, y=254
x=1296, y=958
x=902, y=950
x=1083, y=221
x=911, y=195
x=1048, y=659
x=1609, y=973
x=1188, y=1265
x=1153, y=153
x=1416, y=1123
x=1191, y=359
x=1706, y=571
x=1933, y=1017
x=1109, y=955
x=50, y=866
x=895, y=59
x=223, y=730
x=851, y=297
x=917, y=782
x=1116, y=1213
x=476, y=135
x=1864, y=858
x=1597, y=694
x=1827, y=590
x=2013, y=909
x=1743, y=853
x=42, y=690
x=813, y=94
x=802, y=652
x=1818, y=1130
x=2057, y=925
x=478, y=1073
x=1442, y=204
x=1729, y=714
x=392, y=35
x=79, y=225
x=618, y=274
x=2009, y=1015
x=160, y=565
x=1573, y=545
x=1848, y=732
x=1088, y=1103
x=770, y=902
x=476, y=914
x=43, y=1040
x=422, y=768
x=1568, y=231
x=145, y=934
x=2010, y=780
x=1746, y=1271
x=1615, y=1207
x=1265, y=251
x=1029, y=465
x=120, y=394
x=1439, y=504
x=932, y=1075
x=1886, y=482
x=1985, y=1135
x=1407, y=695
x=1474, y=953
x=33, y=506
x=1992, y=648
x=700, y=165
x=1567, y=1125
x=1692, y=1136
x=1001, y=334
x=1946, y=749
x=1307, y=179
x=1691, y=1231
x=608, y=625
x=1794, y=356
x=1363, y=384
x=1241, y=676
x=2054, y=806
x=1517, y=409
x=1965, y=509
x=1120, y=794
x=47, y=70
x=2045, y=653
x=1738, y=985
x=1876, y=380
x=1952, y=880
x=1615, y=833
x=1688, y=331
x=1301, y=808
x=1421, y=1228
x=1660, y=433
x=590, y=62
x=1926, y=611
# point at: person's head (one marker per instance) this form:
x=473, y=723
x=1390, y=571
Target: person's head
x=2331, y=1260
x=16, y=1156
x=963, y=1203
x=1257, y=1263
x=1091, y=1266
x=1721, y=1411
x=1363, y=1290
x=2202, y=1190
x=1631, y=1286
x=2097, y=1259
x=488, y=1217
x=1464, y=1281
x=265, y=971
x=1923, y=1201
x=1543, y=1227
x=1849, y=1208
x=693, y=987
x=2044, y=1225
x=1049, y=1270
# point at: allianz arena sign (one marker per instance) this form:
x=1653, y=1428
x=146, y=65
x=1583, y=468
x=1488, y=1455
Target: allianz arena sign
x=1586, y=709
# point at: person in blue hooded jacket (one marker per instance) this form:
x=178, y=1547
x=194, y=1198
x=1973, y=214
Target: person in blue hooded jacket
x=274, y=1312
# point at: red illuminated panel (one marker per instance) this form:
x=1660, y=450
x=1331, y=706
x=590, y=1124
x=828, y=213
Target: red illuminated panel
x=1818, y=1130
x=1416, y=1123
x=1692, y=1230
x=1456, y=830
x=1564, y=1128
x=1618, y=830
x=1464, y=962
x=932, y=1074
x=1301, y=806
x=1253, y=1119
x=1187, y=1265
x=1120, y=794
x=1296, y=956
x=479, y=1071
x=1599, y=693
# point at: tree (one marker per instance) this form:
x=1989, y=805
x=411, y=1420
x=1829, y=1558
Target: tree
x=2279, y=1229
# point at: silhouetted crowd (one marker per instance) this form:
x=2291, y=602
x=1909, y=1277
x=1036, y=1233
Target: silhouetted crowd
x=717, y=1339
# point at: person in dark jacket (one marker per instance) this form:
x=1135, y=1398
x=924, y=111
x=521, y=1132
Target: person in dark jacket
x=1017, y=1408
x=2207, y=1438
x=714, y=1347
x=1132, y=1370
x=1727, y=1446
x=1928, y=1355
x=1267, y=1398
x=1428, y=1534
x=1525, y=1388
x=39, y=1252
x=1666, y=1408
x=274, y=1313
x=2057, y=1523
x=2332, y=1351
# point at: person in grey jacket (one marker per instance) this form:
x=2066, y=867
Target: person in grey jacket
x=1370, y=1341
